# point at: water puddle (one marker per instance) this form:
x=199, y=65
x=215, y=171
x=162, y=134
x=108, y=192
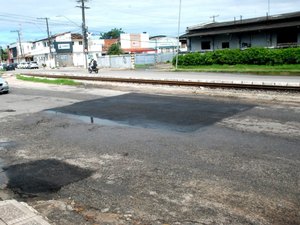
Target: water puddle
x=127, y=123
x=90, y=119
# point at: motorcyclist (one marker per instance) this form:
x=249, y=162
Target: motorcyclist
x=93, y=66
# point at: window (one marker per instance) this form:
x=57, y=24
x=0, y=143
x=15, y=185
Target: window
x=225, y=44
x=205, y=45
x=287, y=36
x=80, y=42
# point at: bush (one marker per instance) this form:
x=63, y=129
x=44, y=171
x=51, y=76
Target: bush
x=251, y=56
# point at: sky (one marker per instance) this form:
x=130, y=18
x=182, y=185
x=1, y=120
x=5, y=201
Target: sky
x=157, y=17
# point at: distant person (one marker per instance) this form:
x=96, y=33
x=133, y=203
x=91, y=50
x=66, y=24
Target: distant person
x=93, y=64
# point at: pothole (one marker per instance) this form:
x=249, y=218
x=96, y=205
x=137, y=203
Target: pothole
x=41, y=177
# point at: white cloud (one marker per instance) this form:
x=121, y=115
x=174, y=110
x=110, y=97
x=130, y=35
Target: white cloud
x=153, y=16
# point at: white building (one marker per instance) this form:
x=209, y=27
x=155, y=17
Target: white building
x=136, y=43
x=164, y=44
x=95, y=46
x=66, y=50
x=19, y=52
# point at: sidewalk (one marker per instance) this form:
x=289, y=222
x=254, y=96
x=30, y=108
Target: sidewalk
x=19, y=213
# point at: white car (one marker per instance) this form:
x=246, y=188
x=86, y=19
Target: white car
x=4, y=88
x=33, y=65
x=22, y=65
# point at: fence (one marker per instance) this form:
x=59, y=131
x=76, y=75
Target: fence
x=112, y=61
x=128, y=61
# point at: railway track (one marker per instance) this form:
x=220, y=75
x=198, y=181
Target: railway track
x=228, y=85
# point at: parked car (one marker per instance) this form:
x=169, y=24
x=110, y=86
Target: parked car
x=33, y=65
x=9, y=67
x=2, y=66
x=15, y=65
x=23, y=65
x=4, y=88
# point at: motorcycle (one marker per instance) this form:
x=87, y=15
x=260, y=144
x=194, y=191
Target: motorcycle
x=91, y=69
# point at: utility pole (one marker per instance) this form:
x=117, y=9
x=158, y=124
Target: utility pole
x=20, y=45
x=84, y=30
x=49, y=38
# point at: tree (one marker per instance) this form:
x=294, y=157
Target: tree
x=115, y=49
x=3, y=54
x=112, y=34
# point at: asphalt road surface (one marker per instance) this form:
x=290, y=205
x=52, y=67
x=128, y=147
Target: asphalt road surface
x=99, y=156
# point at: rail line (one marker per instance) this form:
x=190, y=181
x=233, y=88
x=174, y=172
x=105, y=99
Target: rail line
x=176, y=83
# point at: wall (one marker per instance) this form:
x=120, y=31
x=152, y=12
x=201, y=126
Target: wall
x=128, y=61
x=110, y=61
x=195, y=44
x=78, y=59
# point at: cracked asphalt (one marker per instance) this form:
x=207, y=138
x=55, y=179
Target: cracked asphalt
x=83, y=155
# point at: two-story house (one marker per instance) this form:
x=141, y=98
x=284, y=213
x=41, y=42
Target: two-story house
x=19, y=52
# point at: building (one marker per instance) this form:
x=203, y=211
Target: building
x=19, y=52
x=268, y=31
x=136, y=43
x=164, y=44
x=108, y=43
x=61, y=51
x=66, y=49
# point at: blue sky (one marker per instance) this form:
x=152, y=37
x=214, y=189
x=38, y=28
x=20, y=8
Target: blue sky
x=133, y=16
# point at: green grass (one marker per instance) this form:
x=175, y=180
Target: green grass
x=143, y=66
x=291, y=69
x=49, y=81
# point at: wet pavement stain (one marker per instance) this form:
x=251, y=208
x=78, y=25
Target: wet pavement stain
x=43, y=176
x=7, y=145
x=8, y=110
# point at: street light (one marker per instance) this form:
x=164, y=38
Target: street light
x=179, y=15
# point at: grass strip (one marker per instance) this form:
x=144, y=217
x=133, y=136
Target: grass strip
x=254, y=69
x=49, y=81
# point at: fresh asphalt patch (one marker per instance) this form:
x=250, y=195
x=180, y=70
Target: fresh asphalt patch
x=154, y=111
x=42, y=176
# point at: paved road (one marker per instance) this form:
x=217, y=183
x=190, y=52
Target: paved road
x=97, y=156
